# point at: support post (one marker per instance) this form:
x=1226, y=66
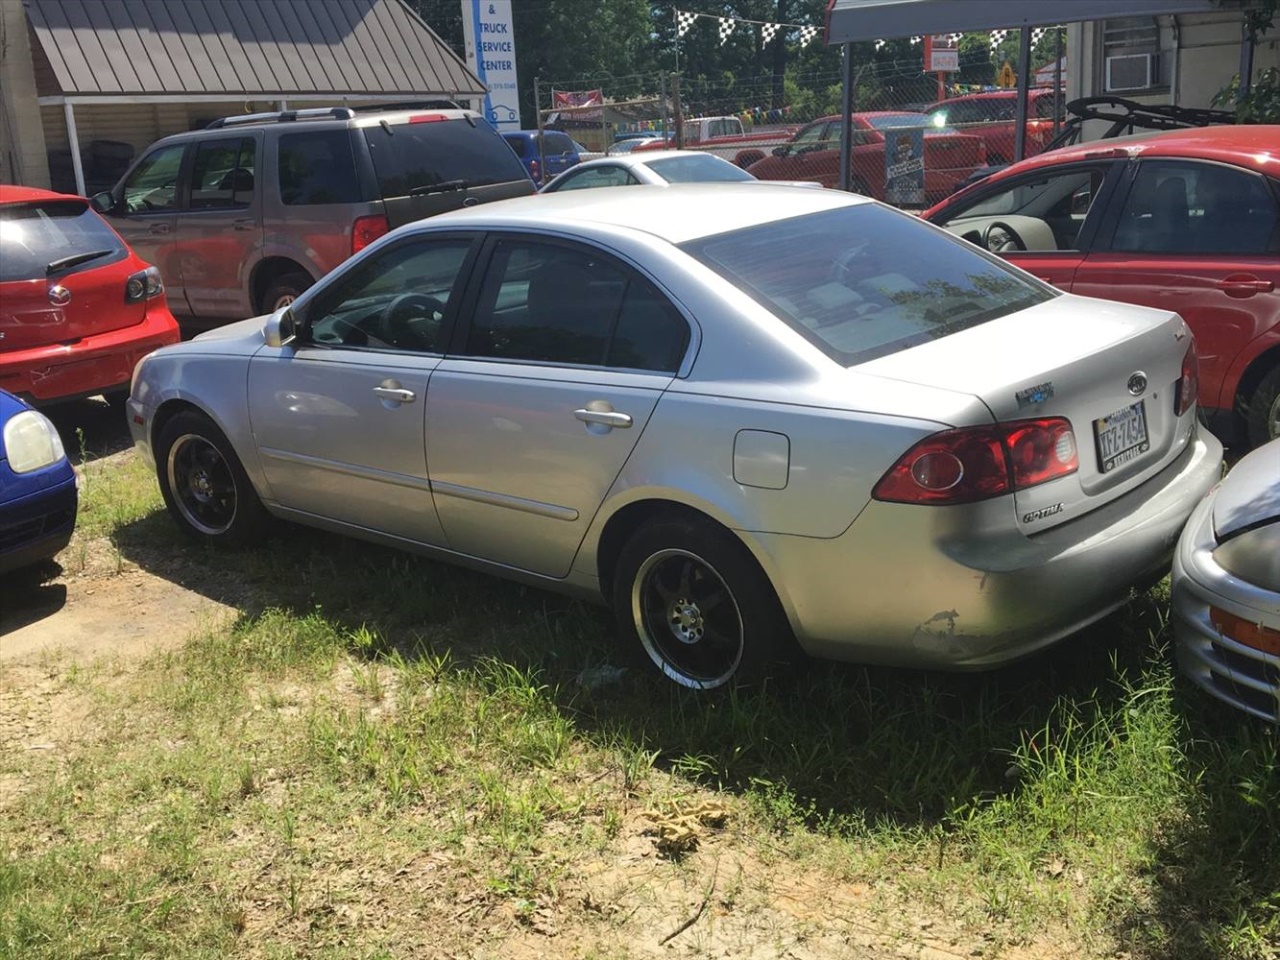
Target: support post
x=1246, y=57
x=846, y=121
x=678, y=110
x=73, y=141
x=537, y=110
x=1057, y=81
x=1024, y=83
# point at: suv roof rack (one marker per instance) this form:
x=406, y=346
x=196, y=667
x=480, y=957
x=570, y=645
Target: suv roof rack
x=441, y=104
x=284, y=116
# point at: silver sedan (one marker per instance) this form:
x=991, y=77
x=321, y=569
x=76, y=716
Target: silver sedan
x=654, y=167
x=1226, y=588
x=755, y=420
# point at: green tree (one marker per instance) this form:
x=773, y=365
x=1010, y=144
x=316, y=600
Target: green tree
x=1261, y=103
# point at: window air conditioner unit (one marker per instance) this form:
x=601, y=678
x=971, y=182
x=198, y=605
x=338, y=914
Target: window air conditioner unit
x=1131, y=72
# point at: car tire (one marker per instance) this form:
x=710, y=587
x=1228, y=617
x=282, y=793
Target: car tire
x=1262, y=418
x=692, y=602
x=205, y=486
x=283, y=290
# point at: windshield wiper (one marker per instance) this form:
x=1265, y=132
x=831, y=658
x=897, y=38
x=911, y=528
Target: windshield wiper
x=74, y=260
x=444, y=186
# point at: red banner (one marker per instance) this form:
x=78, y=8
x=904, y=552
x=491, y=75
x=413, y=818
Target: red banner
x=565, y=99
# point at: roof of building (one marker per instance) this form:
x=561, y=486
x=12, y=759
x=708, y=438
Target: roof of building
x=176, y=48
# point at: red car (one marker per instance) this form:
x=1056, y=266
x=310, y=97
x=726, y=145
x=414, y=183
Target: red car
x=1187, y=220
x=994, y=117
x=814, y=154
x=78, y=308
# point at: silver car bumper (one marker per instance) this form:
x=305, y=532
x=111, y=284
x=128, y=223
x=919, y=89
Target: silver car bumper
x=1241, y=675
x=955, y=588
x=139, y=419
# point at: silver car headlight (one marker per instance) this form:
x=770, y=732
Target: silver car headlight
x=32, y=442
x=1253, y=556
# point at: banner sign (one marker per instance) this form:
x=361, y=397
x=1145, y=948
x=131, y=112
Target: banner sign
x=941, y=53
x=563, y=99
x=491, y=54
x=904, y=167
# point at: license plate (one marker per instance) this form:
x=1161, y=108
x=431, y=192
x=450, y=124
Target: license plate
x=1121, y=437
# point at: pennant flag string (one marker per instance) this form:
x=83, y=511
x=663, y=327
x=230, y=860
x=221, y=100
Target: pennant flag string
x=685, y=19
x=726, y=29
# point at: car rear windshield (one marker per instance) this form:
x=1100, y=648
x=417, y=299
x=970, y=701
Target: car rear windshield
x=698, y=168
x=895, y=121
x=410, y=157
x=866, y=281
x=53, y=238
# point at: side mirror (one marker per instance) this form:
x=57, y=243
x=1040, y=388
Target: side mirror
x=280, y=328
x=103, y=202
x=780, y=151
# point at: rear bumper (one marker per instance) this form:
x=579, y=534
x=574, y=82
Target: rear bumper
x=1243, y=676
x=954, y=588
x=35, y=527
x=88, y=366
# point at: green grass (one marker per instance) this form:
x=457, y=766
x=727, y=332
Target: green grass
x=374, y=716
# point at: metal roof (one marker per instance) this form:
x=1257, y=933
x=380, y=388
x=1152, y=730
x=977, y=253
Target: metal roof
x=853, y=20
x=171, y=49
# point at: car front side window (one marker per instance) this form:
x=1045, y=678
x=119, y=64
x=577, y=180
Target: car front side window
x=548, y=303
x=396, y=300
x=152, y=187
x=1047, y=212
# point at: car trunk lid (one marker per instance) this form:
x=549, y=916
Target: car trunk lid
x=953, y=151
x=1110, y=369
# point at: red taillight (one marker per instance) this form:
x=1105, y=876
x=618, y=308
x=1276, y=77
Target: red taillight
x=143, y=285
x=534, y=170
x=1188, y=381
x=427, y=118
x=977, y=463
x=982, y=152
x=365, y=230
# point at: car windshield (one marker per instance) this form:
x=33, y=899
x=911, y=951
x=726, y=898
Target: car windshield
x=698, y=168
x=866, y=281
x=54, y=238
x=896, y=121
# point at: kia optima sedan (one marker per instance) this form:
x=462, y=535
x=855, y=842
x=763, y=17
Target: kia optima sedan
x=757, y=421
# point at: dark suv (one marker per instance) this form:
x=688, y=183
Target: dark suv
x=244, y=215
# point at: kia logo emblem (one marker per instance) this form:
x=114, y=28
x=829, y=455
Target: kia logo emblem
x=1137, y=383
x=59, y=296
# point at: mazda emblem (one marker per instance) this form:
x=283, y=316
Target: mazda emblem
x=1137, y=383
x=59, y=296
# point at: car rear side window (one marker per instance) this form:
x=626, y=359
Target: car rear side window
x=37, y=240
x=698, y=168
x=317, y=166
x=222, y=174
x=557, y=143
x=548, y=303
x=866, y=281
x=417, y=157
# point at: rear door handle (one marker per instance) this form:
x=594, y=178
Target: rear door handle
x=244, y=224
x=1244, y=285
x=606, y=418
x=395, y=393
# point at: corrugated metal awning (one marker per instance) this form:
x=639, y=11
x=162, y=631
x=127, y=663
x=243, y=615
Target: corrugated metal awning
x=852, y=20
x=250, y=49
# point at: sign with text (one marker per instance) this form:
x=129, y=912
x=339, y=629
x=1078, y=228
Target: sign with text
x=941, y=54
x=904, y=167
x=491, y=54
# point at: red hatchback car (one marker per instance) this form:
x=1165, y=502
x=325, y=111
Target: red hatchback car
x=78, y=308
x=1187, y=220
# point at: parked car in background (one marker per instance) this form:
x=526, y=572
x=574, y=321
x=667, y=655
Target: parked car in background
x=37, y=487
x=244, y=215
x=558, y=153
x=814, y=154
x=78, y=308
x=993, y=116
x=658, y=168
x=745, y=415
x=634, y=143
x=1187, y=220
x=1226, y=588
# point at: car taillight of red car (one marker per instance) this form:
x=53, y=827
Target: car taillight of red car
x=1188, y=380
x=365, y=230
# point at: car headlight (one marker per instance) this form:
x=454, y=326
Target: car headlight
x=1253, y=556
x=31, y=442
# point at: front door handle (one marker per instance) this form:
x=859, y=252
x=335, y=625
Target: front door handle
x=159, y=228
x=245, y=224
x=394, y=392
x=605, y=418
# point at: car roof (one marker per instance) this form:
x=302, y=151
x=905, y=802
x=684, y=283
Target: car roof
x=676, y=213
x=11, y=193
x=993, y=95
x=1256, y=146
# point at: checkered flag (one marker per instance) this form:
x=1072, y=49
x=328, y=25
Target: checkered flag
x=879, y=44
x=915, y=40
x=955, y=37
x=767, y=32
x=807, y=34
x=726, y=28
x=1036, y=34
x=997, y=38
x=684, y=20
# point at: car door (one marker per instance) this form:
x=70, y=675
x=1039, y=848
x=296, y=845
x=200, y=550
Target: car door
x=801, y=158
x=145, y=214
x=1200, y=238
x=219, y=228
x=1042, y=221
x=544, y=395
x=338, y=413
